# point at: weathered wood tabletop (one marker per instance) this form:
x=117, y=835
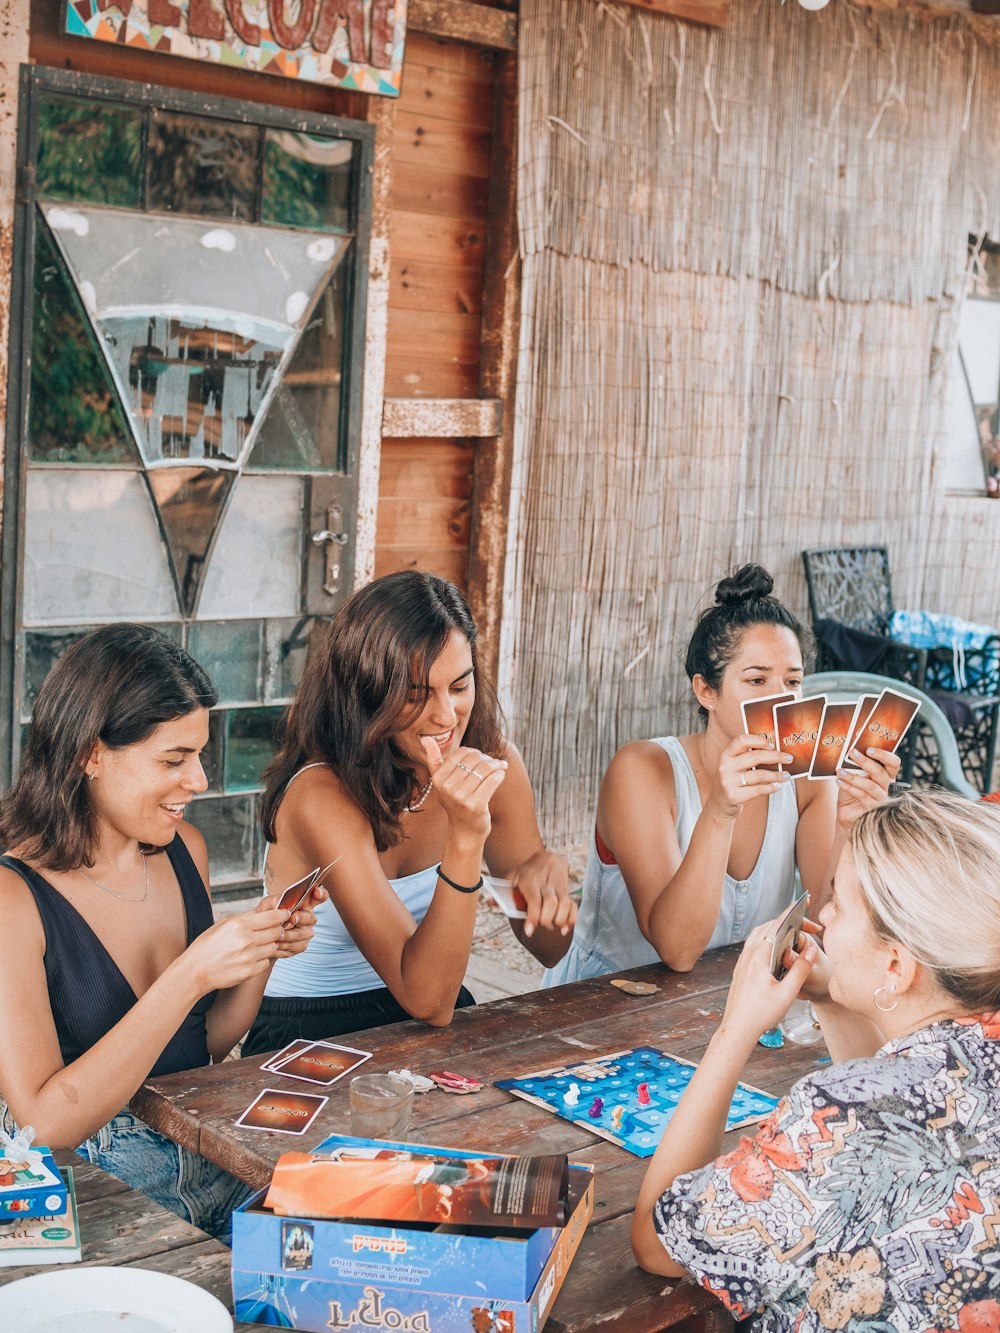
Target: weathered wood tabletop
x=507, y=1038
x=120, y=1226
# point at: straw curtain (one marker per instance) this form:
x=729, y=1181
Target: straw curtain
x=743, y=251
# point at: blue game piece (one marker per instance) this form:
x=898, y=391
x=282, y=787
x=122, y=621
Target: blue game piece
x=772, y=1037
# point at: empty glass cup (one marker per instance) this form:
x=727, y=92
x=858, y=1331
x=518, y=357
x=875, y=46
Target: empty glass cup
x=380, y=1105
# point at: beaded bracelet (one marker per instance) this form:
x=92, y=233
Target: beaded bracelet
x=462, y=888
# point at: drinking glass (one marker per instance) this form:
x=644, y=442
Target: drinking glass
x=380, y=1105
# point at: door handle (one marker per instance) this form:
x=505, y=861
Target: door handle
x=332, y=539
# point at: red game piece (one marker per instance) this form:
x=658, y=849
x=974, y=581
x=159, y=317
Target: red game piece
x=455, y=1082
x=597, y=1109
x=644, y=1097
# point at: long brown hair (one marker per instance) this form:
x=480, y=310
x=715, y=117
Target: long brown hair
x=356, y=695
x=117, y=685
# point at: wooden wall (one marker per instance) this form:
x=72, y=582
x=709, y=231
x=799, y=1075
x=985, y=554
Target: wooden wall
x=440, y=164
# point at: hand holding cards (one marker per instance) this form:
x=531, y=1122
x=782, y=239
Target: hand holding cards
x=786, y=933
x=819, y=734
x=296, y=894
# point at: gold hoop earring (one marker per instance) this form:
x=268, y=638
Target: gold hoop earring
x=885, y=1008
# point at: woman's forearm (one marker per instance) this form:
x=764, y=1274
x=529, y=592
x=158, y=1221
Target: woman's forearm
x=692, y=1139
x=685, y=912
x=231, y=1015
x=80, y=1097
x=436, y=956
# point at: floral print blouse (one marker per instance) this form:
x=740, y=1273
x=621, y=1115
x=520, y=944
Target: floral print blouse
x=868, y=1202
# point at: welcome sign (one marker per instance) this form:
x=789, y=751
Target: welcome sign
x=356, y=44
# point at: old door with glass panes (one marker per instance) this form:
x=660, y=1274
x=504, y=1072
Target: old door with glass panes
x=190, y=283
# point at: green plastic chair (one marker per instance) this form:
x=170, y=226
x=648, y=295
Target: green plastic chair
x=850, y=684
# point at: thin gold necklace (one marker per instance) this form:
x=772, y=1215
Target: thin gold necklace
x=123, y=895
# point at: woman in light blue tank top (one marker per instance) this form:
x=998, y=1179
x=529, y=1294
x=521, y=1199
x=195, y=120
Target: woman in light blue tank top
x=394, y=767
x=699, y=838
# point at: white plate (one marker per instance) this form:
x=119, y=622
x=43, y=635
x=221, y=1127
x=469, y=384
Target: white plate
x=110, y=1300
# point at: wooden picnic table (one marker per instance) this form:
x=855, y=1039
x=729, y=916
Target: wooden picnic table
x=120, y=1226
x=507, y=1038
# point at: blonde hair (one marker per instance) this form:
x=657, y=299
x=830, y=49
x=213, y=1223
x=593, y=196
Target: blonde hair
x=928, y=866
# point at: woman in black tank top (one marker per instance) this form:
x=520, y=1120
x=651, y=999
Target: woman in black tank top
x=119, y=972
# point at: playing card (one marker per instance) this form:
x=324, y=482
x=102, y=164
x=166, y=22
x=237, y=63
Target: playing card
x=295, y=895
x=507, y=896
x=836, y=725
x=758, y=715
x=786, y=933
x=865, y=705
x=286, y=1053
x=320, y=1062
x=282, y=1112
x=886, y=724
x=797, y=731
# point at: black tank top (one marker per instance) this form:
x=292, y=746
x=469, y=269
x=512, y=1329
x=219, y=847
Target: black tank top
x=87, y=990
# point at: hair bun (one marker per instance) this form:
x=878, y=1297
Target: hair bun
x=748, y=583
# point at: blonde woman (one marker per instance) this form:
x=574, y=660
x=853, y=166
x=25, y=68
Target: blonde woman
x=869, y=1200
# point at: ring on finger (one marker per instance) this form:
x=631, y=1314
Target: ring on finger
x=465, y=768
x=743, y=778
x=481, y=776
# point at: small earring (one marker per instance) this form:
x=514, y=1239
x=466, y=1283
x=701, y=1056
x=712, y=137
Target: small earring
x=91, y=776
x=885, y=990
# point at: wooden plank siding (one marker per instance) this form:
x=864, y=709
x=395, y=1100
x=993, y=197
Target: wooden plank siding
x=437, y=229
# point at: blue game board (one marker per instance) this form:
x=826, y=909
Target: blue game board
x=615, y=1079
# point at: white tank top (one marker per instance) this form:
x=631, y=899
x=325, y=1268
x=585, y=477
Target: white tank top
x=607, y=937
x=333, y=964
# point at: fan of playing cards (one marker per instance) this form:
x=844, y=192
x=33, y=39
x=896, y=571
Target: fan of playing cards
x=820, y=734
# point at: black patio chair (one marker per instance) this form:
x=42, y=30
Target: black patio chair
x=851, y=603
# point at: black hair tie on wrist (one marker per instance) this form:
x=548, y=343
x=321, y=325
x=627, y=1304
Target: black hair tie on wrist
x=462, y=888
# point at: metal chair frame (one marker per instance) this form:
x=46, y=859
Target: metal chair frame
x=852, y=584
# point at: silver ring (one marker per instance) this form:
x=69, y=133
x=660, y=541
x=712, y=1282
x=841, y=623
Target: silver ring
x=769, y=938
x=480, y=776
x=743, y=778
x=465, y=768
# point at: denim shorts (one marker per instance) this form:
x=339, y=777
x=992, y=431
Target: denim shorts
x=180, y=1181
x=187, y=1184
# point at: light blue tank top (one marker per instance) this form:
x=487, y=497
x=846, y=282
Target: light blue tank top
x=607, y=937
x=333, y=964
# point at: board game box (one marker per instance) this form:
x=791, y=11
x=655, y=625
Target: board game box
x=627, y=1097
x=320, y=1274
x=32, y=1186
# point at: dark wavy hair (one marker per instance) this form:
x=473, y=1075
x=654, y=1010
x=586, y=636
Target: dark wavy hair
x=741, y=601
x=356, y=695
x=116, y=684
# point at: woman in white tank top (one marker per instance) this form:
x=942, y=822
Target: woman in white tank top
x=698, y=838
x=393, y=767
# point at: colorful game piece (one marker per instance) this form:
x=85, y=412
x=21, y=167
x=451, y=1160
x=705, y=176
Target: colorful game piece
x=772, y=1037
x=618, y=1077
x=454, y=1082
